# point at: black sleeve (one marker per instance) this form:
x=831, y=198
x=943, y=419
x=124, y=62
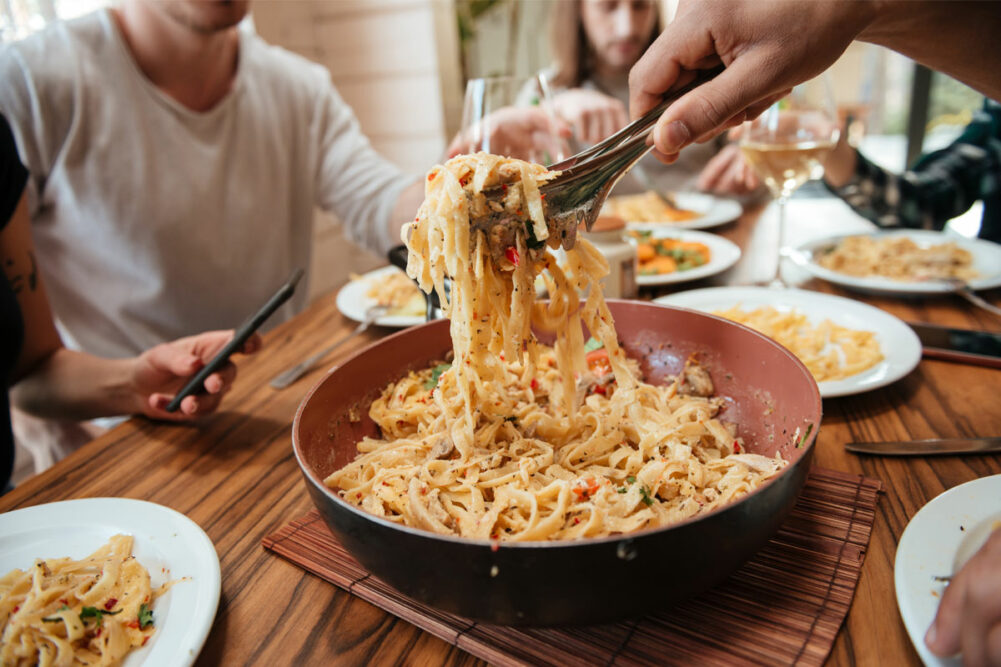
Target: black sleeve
x=13, y=175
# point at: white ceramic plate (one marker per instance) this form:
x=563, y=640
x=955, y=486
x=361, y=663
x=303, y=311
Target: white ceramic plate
x=353, y=301
x=986, y=261
x=899, y=344
x=939, y=539
x=167, y=543
x=722, y=255
x=713, y=212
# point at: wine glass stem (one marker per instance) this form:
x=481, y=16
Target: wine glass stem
x=777, y=278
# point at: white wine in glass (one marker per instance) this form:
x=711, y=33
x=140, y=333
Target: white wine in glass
x=787, y=145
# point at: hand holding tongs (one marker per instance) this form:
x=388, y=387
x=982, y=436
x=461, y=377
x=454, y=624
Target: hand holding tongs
x=578, y=193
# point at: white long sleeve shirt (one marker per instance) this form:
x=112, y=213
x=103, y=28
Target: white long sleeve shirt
x=152, y=221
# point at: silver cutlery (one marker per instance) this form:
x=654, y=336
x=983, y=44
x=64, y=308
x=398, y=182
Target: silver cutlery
x=963, y=289
x=291, y=375
x=576, y=195
x=933, y=447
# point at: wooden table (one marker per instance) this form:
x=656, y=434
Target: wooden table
x=235, y=475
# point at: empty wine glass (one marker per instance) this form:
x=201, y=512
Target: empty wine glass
x=511, y=116
x=787, y=145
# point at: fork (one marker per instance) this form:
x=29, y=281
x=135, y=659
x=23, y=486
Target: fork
x=291, y=375
x=576, y=195
x=963, y=289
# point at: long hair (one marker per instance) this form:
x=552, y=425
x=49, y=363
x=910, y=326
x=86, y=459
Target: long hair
x=568, y=45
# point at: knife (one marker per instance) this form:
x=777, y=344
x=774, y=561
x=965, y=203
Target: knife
x=970, y=346
x=936, y=446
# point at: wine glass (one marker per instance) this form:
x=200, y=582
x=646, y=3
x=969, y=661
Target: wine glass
x=512, y=116
x=787, y=145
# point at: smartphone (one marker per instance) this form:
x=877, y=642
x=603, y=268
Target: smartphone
x=252, y=324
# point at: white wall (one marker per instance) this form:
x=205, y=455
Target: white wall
x=396, y=63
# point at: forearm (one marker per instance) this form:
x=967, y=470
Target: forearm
x=77, y=386
x=957, y=37
x=406, y=207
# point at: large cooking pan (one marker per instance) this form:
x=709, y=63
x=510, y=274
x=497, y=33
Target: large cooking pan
x=555, y=583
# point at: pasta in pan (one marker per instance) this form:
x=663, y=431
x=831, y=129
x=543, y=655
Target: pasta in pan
x=516, y=440
x=68, y=612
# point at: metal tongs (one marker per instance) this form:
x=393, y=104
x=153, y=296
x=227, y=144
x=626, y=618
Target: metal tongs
x=576, y=196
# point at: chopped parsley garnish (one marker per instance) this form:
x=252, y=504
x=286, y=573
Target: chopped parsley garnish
x=97, y=614
x=145, y=616
x=631, y=479
x=593, y=344
x=805, y=435
x=432, y=381
x=622, y=489
x=645, y=494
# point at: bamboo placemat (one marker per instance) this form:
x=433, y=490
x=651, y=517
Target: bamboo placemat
x=784, y=606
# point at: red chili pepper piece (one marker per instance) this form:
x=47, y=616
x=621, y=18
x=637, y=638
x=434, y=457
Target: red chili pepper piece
x=535, y=384
x=110, y=604
x=512, y=255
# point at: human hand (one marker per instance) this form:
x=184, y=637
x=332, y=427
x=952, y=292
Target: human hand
x=593, y=115
x=969, y=616
x=159, y=372
x=727, y=173
x=526, y=133
x=767, y=48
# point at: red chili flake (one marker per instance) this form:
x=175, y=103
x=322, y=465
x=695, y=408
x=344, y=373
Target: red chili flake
x=385, y=483
x=600, y=390
x=145, y=639
x=495, y=545
x=358, y=496
x=736, y=448
x=110, y=604
x=424, y=491
x=534, y=383
x=98, y=633
x=542, y=196
x=133, y=624
x=432, y=175
x=518, y=212
x=576, y=520
x=512, y=255
x=504, y=187
x=16, y=607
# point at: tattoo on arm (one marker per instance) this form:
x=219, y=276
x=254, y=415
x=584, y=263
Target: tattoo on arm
x=20, y=281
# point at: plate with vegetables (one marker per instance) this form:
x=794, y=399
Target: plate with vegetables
x=674, y=256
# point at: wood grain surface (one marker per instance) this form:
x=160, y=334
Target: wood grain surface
x=235, y=475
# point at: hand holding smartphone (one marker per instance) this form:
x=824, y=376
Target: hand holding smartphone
x=196, y=384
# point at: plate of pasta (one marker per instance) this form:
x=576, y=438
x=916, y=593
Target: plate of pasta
x=105, y=580
x=387, y=286
x=695, y=211
x=903, y=262
x=666, y=256
x=849, y=347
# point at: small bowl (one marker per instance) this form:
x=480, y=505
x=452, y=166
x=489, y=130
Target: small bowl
x=771, y=395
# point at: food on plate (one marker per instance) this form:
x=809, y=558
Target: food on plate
x=646, y=207
x=395, y=291
x=899, y=258
x=829, y=351
x=77, y=612
x=517, y=440
x=660, y=256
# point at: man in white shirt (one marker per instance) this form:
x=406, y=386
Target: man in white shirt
x=175, y=163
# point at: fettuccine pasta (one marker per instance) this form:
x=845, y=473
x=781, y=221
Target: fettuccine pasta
x=515, y=440
x=67, y=612
x=828, y=350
